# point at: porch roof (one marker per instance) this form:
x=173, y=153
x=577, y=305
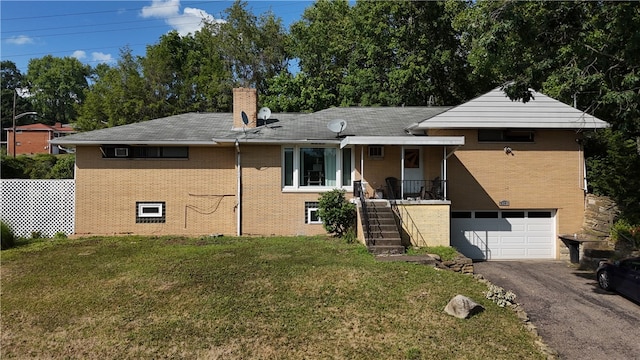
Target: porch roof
x=403, y=140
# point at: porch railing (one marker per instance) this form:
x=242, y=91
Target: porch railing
x=408, y=188
x=361, y=191
x=415, y=189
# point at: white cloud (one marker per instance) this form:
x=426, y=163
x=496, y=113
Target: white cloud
x=20, y=40
x=161, y=9
x=102, y=57
x=79, y=54
x=189, y=21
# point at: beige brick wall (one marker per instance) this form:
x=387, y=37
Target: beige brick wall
x=546, y=174
x=266, y=209
x=433, y=222
x=200, y=194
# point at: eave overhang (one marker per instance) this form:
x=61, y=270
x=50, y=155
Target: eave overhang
x=531, y=125
x=278, y=141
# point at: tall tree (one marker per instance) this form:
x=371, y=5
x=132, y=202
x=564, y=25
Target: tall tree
x=12, y=82
x=117, y=95
x=405, y=52
x=581, y=52
x=165, y=69
x=57, y=85
x=253, y=48
x=322, y=41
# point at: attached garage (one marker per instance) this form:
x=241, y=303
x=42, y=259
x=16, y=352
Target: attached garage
x=504, y=234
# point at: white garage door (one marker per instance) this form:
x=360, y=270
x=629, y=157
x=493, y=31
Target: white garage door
x=491, y=235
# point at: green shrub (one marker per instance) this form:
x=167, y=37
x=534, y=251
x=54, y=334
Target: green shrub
x=625, y=233
x=7, y=237
x=350, y=236
x=64, y=167
x=337, y=214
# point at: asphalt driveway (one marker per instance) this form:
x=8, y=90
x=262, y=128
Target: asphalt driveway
x=573, y=315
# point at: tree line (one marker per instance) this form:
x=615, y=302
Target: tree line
x=373, y=53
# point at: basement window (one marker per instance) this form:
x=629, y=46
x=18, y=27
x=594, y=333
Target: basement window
x=311, y=213
x=150, y=212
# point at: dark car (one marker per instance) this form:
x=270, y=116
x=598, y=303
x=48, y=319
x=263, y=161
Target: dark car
x=621, y=276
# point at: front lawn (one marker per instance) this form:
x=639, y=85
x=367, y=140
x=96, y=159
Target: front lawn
x=240, y=298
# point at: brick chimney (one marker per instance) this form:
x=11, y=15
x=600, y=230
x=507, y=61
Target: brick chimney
x=245, y=99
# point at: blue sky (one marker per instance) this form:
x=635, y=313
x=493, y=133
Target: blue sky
x=95, y=31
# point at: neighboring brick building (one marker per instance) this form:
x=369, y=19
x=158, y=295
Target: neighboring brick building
x=494, y=178
x=34, y=139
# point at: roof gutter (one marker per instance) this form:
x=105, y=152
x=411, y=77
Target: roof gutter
x=403, y=140
x=136, y=142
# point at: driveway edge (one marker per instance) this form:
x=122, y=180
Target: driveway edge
x=547, y=350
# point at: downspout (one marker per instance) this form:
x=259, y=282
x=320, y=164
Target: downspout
x=238, y=190
x=582, y=167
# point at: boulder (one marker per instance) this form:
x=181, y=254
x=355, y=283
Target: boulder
x=462, y=307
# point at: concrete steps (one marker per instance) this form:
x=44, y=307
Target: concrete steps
x=384, y=235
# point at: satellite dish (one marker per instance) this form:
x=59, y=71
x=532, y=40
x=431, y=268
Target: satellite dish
x=264, y=113
x=337, y=125
x=245, y=118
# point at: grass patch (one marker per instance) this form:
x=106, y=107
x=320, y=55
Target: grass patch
x=445, y=252
x=234, y=298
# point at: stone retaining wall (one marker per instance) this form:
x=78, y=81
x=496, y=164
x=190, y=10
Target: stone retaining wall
x=599, y=215
x=460, y=264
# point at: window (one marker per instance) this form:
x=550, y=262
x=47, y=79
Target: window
x=513, y=214
x=316, y=166
x=412, y=158
x=498, y=135
x=346, y=167
x=461, y=214
x=145, y=152
x=376, y=151
x=486, y=215
x=150, y=212
x=539, y=214
x=311, y=215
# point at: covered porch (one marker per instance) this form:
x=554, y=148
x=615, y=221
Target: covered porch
x=403, y=168
x=407, y=175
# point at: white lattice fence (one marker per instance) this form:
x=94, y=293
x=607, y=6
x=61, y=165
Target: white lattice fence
x=45, y=206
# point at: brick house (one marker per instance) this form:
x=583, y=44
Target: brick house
x=34, y=139
x=496, y=179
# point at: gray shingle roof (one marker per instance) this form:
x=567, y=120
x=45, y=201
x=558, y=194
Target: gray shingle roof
x=495, y=110
x=207, y=128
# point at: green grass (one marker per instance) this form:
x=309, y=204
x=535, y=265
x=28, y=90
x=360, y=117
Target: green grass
x=240, y=298
x=445, y=252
